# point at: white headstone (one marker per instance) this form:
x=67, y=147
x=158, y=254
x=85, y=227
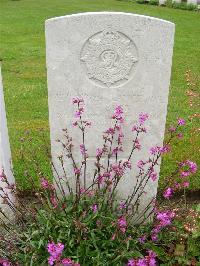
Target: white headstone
x=162, y=2
x=109, y=58
x=5, y=154
x=194, y=2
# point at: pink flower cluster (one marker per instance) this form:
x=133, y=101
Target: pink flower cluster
x=168, y=193
x=164, y=219
x=55, y=251
x=149, y=260
x=118, y=114
x=122, y=224
x=143, y=117
x=77, y=171
x=185, y=169
x=118, y=169
x=99, y=152
x=5, y=262
x=83, y=150
x=79, y=112
x=191, y=168
x=181, y=122
x=162, y=150
x=122, y=205
x=94, y=208
x=140, y=126
x=44, y=183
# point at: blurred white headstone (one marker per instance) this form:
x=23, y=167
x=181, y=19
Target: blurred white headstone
x=162, y=2
x=194, y=2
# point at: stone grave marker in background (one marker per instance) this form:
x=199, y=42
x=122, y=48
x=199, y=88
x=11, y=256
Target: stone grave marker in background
x=5, y=154
x=162, y=2
x=109, y=59
x=194, y=2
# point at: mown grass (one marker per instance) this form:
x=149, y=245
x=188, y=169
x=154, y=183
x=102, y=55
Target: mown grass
x=24, y=72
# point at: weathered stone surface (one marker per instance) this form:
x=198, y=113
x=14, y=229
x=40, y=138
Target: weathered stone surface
x=5, y=154
x=109, y=59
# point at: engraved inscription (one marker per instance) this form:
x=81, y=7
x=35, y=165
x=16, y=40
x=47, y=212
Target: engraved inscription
x=109, y=58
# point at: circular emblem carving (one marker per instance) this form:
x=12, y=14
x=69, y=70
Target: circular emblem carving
x=109, y=58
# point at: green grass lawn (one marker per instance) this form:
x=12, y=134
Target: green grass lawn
x=24, y=72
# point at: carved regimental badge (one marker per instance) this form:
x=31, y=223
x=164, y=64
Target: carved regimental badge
x=109, y=58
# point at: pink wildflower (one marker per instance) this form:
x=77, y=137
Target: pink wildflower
x=83, y=149
x=122, y=224
x=180, y=135
x=165, y=218
x=153, y=150
x=44, y=182
x=192, y=168
x=143, y=117
x=55, y=250
x=177, y=185
x=151, y=258
x=100, y=179
x=94, y=208
x=127, y=164
x=137, y=144
x=118, y=114
x=185, y=173
x=110, y=131
x=67, y=262
x=181, y=122
x=107, y=174
x=74, y=124
x=113, y=237
x=118, y=169
x=77, y=171
x=168, y=193
x=186, y=184
x=90, y=193
x=87, y=123
x=132, y=262
x=5, y=262
x=172, y=129
x=79, y=112
x=77, y=100
x=153, y=176
x=54, y=201
x=82, y=190
x=142, y=262
x=99, y=152
x=142, y=239
x=164, y=149
x=154, y=237
x=140, y=164
x=51, y=260
x=117, y=150
x=192, y=165
x=122, y=205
